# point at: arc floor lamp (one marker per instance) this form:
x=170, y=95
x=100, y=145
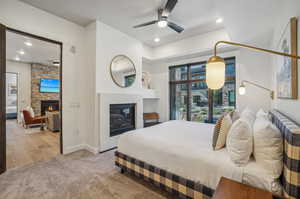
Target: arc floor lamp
x=215, y=67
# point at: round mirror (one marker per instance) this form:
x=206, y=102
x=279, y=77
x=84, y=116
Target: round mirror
x=122, y=71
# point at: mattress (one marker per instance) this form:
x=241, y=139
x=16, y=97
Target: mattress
x=185, y=149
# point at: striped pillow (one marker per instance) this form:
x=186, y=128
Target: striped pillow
x=221, y=130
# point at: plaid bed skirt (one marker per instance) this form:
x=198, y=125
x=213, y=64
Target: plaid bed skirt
x=174, y=184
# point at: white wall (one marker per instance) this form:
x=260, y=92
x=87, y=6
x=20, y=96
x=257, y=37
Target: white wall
x=90, y=86
x=18, y=15
x=249, y=66
x=111, y=42
x=24, y=82
x=103, y=44
x=289, y=107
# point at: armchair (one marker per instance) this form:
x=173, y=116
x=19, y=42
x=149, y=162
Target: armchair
x=30, y=121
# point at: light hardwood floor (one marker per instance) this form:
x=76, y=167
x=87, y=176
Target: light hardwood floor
x=23, y=148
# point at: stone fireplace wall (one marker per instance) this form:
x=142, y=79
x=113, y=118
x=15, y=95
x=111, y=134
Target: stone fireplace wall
x=38, y=72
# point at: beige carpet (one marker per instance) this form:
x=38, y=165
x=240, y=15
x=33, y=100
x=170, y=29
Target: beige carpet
x=80, y=175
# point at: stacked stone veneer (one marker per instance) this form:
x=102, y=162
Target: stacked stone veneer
x=38, y=72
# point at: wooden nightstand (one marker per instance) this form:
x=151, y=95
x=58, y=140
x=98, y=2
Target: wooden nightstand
x=229, y=189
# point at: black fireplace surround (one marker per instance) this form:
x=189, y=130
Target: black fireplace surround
x=46, y=104
x=122, y=118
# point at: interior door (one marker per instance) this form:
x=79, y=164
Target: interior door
x=2, y=98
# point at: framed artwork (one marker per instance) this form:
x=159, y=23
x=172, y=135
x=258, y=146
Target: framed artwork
x=287, y=71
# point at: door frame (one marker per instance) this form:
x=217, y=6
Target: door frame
x=3, y=30
x=2, y=98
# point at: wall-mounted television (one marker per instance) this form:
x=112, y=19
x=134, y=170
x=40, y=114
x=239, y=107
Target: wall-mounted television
x=49, y=85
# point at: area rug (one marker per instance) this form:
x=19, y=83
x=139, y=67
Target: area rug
x=80, y=175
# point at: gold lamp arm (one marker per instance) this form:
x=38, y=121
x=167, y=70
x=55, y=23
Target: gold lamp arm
x=254, y=48
x=257, y=85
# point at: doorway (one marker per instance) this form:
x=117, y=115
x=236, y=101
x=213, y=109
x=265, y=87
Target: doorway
x=11, y=95
x=30, y=131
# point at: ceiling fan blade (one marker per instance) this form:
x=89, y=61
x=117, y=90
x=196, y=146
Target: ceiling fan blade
x=175, y=27
x=169, y=7
x=145, y=24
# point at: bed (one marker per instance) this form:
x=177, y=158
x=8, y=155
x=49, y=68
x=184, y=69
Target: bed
x=177, y=156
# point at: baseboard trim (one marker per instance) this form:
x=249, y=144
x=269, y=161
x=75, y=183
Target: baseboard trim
x=79, y=147
x=72, y=149
x=91, y=149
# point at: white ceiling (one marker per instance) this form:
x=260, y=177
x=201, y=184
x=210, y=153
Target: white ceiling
x=40, y=52
x=248, y=21
x=196, y=16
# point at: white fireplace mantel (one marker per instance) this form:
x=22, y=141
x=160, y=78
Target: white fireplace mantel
x=103, y=116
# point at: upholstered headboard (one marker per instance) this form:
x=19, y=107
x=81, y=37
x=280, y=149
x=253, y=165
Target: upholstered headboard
x=291, y=158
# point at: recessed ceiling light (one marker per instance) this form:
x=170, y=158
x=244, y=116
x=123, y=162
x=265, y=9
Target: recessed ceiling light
x=162, y=23
x=17, y=58
x=219, y=20
x=56, y=63
x=21, y=52
x=157, y=39
x=28, y=43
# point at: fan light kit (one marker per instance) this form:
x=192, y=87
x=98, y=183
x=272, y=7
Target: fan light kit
x=162, y=19
x=162, y=24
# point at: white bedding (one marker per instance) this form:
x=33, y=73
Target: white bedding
x=185, y=148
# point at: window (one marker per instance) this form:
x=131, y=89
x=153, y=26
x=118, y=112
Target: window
x=191, y=100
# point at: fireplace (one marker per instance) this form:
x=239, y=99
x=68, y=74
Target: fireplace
x=49, y=105
x=122, y=118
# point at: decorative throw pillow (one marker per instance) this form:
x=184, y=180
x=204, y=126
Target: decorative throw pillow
x=239, y=142
x=221, y=130
x=268, y=146
x=30, y=110
x=262, y=113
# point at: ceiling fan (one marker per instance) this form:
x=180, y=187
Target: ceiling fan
x=162, y=21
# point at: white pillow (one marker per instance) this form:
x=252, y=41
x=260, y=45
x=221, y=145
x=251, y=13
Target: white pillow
x=268, y=146
x=30, y=110
x=235, y=115
x=249, y=116
x=262, y=113
x=239, y=142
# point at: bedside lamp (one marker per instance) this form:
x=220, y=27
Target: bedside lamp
x=242, y=88
x=215, y=67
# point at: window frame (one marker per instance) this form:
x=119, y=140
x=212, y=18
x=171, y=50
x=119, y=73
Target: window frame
x=189, y=81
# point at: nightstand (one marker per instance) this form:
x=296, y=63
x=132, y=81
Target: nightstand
x=229, y=189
